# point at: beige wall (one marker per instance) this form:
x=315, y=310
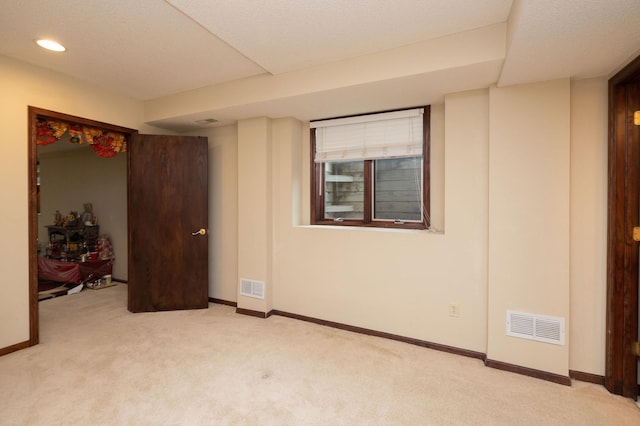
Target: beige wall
x=395, y=281
x=223, y=211
x=255, y=231
x=588, y=225
x=71, y=178
x=402, y=282
x=529, y=217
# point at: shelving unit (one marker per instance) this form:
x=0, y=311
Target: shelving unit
x=70, y=239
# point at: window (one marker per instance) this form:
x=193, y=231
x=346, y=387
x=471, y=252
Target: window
x=371, y=170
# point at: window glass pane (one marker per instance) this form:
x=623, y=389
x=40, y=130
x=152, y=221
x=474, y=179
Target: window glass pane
x=398, y=189
x=344, y=190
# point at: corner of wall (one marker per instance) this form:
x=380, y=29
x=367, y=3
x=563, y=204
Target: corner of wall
x=255, y=195
x=529, y=247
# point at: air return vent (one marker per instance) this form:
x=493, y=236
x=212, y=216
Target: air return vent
x=252, y=288
x=535, y=327
x=207, y=121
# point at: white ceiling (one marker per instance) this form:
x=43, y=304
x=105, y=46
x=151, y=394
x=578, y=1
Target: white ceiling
x=150, y=49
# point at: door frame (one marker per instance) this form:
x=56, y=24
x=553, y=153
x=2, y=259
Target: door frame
x=34, y=112
x=622, y=252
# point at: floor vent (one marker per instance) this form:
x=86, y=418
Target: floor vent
x=541, y=328
x=252, y=288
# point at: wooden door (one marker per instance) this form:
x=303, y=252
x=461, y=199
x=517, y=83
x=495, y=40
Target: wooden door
x=167, y=220
x=623, y=215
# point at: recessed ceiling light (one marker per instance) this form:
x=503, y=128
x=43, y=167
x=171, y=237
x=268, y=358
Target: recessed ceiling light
x=51, y=45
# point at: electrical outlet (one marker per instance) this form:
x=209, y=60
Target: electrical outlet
x=454, y=310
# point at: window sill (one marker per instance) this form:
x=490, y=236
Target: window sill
x=374, y=229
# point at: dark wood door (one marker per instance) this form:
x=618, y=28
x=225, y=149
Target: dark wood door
x=623, y=215
x=167, y=220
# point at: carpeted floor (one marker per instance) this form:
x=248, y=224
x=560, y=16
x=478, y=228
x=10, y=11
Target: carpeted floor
x=98, y=364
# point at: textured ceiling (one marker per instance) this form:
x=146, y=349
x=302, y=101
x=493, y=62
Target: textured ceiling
x=286, y=35
x=152, y=49
x=142, y=48
x=570, y=38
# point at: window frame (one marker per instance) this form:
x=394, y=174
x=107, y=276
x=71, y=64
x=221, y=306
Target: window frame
x=317, y=193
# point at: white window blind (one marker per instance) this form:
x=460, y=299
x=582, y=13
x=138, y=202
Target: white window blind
x=374, y=136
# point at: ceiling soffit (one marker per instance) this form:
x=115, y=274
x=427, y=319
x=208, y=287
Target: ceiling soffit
x=397, y=74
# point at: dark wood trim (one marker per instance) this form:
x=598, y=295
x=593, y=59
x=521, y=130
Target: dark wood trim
x=426, y=168
x=253, y=313
x=543, y=375
x=369, y=332
x=587, y=377
x=372, y=224
x=316, y=174
x=34, y=326
x=16, y=347
x=367, y=175
x=622, y=215
x=223, y=302
x=33, y=113
x=531, y=372
x=629, y=73
x=80, y=120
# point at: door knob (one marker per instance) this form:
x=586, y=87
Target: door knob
x=201, y=231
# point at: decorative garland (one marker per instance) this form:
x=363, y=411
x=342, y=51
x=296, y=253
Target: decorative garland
x=105, y=143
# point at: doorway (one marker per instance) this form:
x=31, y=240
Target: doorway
x=166, y=175
x=34, y=113
x=621, y=370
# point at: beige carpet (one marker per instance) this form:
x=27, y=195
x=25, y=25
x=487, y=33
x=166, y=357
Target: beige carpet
x=97, y=364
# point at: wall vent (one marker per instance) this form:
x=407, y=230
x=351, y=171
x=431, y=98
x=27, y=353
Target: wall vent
x=541, y=328
x=207, y=121
x=252, y=288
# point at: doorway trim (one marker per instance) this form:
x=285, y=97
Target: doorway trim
x=34, y=112
x=622, y=252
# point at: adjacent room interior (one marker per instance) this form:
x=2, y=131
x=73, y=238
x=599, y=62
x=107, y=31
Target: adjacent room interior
x=81, y=205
